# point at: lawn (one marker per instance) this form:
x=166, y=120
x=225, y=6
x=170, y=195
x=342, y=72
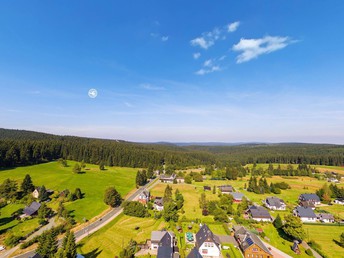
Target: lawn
x=191, y=194
x=325, y=235
x=92, y=182
x=109, y=241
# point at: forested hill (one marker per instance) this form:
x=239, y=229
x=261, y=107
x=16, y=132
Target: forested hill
x=18, y=147
x=296, y=153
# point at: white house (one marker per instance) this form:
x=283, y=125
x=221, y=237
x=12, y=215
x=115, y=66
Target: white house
x=158, y=203
x=207, y=243
x=274, y=203
x=306, y=214
x=325, y=217
x=144, y=197
x=259, y=213
x=311, y=198
x=339, y=201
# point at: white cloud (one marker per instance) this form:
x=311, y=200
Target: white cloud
x=211, y=69
x=233, y=26
x=148, y=86
x=207, y=39
x=208, y=63
x=252, y=48
x=196, y=55
x=154, y=35
x=164, y=38
x=128, y=104
x=202, y=42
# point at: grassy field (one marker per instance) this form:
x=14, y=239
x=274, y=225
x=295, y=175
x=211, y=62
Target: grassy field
x=325, y=236
x=110, y=240
x=92, y=182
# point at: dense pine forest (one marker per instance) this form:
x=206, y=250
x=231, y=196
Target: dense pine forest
x=19, y=147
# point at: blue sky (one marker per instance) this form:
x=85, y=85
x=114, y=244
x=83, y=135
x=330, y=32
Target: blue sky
x=227, y=71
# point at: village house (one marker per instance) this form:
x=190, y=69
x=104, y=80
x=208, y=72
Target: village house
x=259, y=213
x=207, y=244
x=35, y=193
x=274, y=203
x=164, y=243
x=144, y=197
x=180, y=180
x=339, y=201
x=237, y=197
x=194, y=254
x=226, y=189
x=158, y=203
x=325, y=217
x=250, y=244
x=305, y=214
x=310, y=198
x=167, y=178
x=32, y=209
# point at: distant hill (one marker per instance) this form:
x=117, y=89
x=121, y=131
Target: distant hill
x=21, y=147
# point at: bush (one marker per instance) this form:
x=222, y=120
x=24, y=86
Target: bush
x=135, y=209
x=12, y=240
x=309, y=252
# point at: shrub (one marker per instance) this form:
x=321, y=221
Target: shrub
x=309, y=252
x=12, y=240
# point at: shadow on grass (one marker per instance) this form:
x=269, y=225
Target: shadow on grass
x=93, y=254
x=2, y=231
x=284, y=235
x=6, y=220
x=338, y=243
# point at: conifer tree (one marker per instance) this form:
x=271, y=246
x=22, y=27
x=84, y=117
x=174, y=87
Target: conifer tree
x=27, y=185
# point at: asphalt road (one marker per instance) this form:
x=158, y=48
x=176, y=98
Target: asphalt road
x=94, y=226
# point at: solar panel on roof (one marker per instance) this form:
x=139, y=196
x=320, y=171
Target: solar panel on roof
x=249, y=241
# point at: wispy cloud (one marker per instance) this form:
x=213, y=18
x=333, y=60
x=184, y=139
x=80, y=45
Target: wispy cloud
x=148, y=86
x=252, y=48
x=233, y=26
x=208, y=39
x=164, y=38
x=128, y=104
x=210, y=66
x=211, y=69
x=196, y=55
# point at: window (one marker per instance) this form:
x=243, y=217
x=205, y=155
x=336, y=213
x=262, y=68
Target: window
x=204, y=251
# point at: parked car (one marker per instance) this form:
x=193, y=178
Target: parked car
x=2, y=248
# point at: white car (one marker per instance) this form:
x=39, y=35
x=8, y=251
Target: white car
x=2, y=248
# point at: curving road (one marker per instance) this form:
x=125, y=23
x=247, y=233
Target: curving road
x=94, y=226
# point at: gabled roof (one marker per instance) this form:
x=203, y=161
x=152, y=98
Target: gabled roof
x=310, y=197
x=145, y=193
x=328, y=216
x=340, y=199
x=226, y=188
x=32, y=209
x=246, y=239
x=159, y=201
x=165, y=249
x=168, y=177
x=259, y=212
x=274, y=201
x=305, y=212
x=156, y=236
x=205, y=235
x=237, y=195
x=194, y=253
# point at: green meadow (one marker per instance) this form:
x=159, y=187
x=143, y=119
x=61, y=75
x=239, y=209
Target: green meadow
x=91, y=181
x=110, y=240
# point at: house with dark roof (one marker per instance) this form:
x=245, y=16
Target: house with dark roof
x=226, y=189
x=207, y=244
x=37, y=255
x=168, y=178
x=194, y=254
x=164, y=243
x=274, y=203
x=206, y=188
x=310, y=198
x=325, y=217
x=158, y=203
x=32, y=209
x=339, y=201
x=307, y=204
x=144, y=197
x=237, y=197
x=259, y=213
x=305, y=214
x=250, y=244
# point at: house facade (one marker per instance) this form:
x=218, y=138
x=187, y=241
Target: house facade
x=310, y=198
x=167, y=178
x=144, y=197
x=305, y=214
x=259, y=213
x=35, y=193
x=250, y=244
x=158, y=203
x=339, y=201
x=207, y=243
x=325, y=217
x=274, y=203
